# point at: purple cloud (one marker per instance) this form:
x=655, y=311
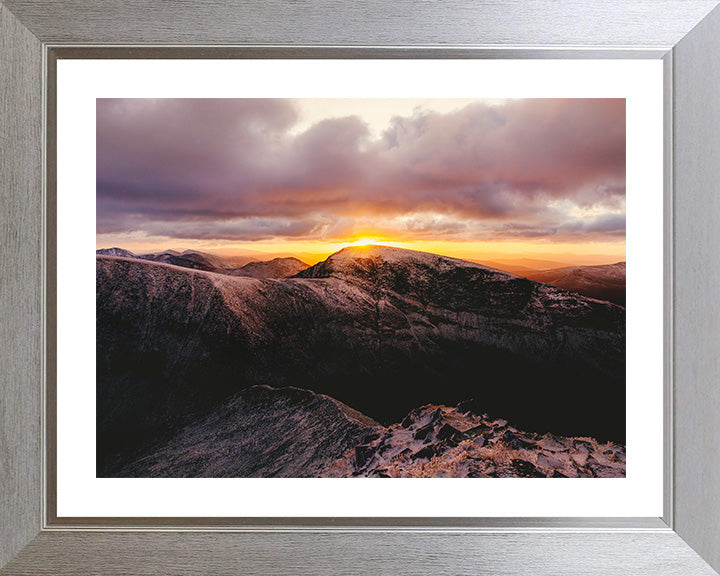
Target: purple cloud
x=235, y=169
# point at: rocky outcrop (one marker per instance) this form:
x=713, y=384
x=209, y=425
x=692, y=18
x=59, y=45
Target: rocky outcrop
x=455, y=442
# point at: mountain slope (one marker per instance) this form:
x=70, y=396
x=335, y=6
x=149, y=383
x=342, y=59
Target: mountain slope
x=191, y=259
x=382, y=330
x=259, y=432
x=520, y=266
x=275, y=268
x=605, y=282
x=196, y=260
x=115, y=252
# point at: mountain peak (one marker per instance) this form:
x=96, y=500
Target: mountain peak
x=387, y=265
x=115, y=251
x=395, y=255
x=275, y=268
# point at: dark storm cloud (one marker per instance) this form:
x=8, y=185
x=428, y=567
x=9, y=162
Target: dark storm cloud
x=233, y=169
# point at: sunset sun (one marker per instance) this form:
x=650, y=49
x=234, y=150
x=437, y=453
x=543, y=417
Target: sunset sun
x=364, y=241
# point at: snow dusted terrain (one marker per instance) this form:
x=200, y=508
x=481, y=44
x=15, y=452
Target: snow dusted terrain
x=275, y=268
x=382, y=330
x=191, y=259
x=605, y=282
x=195, y=260
x=115, y=252
x=259, y=432
x=289, y=432
x=454, y=442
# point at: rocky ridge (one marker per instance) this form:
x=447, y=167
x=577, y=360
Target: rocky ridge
x=259, y=432
x=439, y=441
x=289, y=432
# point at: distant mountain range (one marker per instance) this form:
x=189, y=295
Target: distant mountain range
x=115, y=252
x=195, y=260
x=521, y=265
x=381, y=330
x=602, y=282
x=275, y=268
x=191, y=259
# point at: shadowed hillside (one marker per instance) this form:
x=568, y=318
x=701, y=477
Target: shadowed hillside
x=383, y=330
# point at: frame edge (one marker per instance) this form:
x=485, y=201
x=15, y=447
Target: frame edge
x=696, y=114
x=21, y=281
x=23, y=173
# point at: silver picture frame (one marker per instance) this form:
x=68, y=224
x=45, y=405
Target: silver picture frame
x=684, y=34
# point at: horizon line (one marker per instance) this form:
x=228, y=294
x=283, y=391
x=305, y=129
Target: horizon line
x=264, y=257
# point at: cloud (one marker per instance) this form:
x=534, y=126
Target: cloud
x=612, y=224
x=234, y=169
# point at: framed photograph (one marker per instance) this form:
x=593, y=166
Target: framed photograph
x=281, y=294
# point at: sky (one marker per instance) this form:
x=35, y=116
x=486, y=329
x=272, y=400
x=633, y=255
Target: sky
x=475, y=179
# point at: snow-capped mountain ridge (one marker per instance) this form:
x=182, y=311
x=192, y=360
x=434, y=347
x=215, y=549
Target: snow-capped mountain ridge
x=429, y=278
x=604, y=282
x=381, y=337
x=346, y=260
x=396, y=255
x=115, y=252
x=275, y=268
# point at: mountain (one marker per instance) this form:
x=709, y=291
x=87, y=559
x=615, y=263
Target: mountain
x=115, y=252
x=275, y=268
x=191, y=259
x=382, y=330
x=520, y=265
x=602, y=282
x=289, y=432
x=196, y=260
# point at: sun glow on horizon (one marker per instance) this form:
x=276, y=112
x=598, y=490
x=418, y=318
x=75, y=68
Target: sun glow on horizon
x=322, y=175
x=364, y=241
x=314, y=251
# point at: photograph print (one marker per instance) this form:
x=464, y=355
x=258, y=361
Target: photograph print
x=372, y=288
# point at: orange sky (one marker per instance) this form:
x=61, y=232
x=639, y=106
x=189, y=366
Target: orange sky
x=473, y=179
x=311, y=252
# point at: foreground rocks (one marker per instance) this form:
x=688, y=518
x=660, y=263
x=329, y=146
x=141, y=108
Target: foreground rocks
x=289, y=432
x=439, y=441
